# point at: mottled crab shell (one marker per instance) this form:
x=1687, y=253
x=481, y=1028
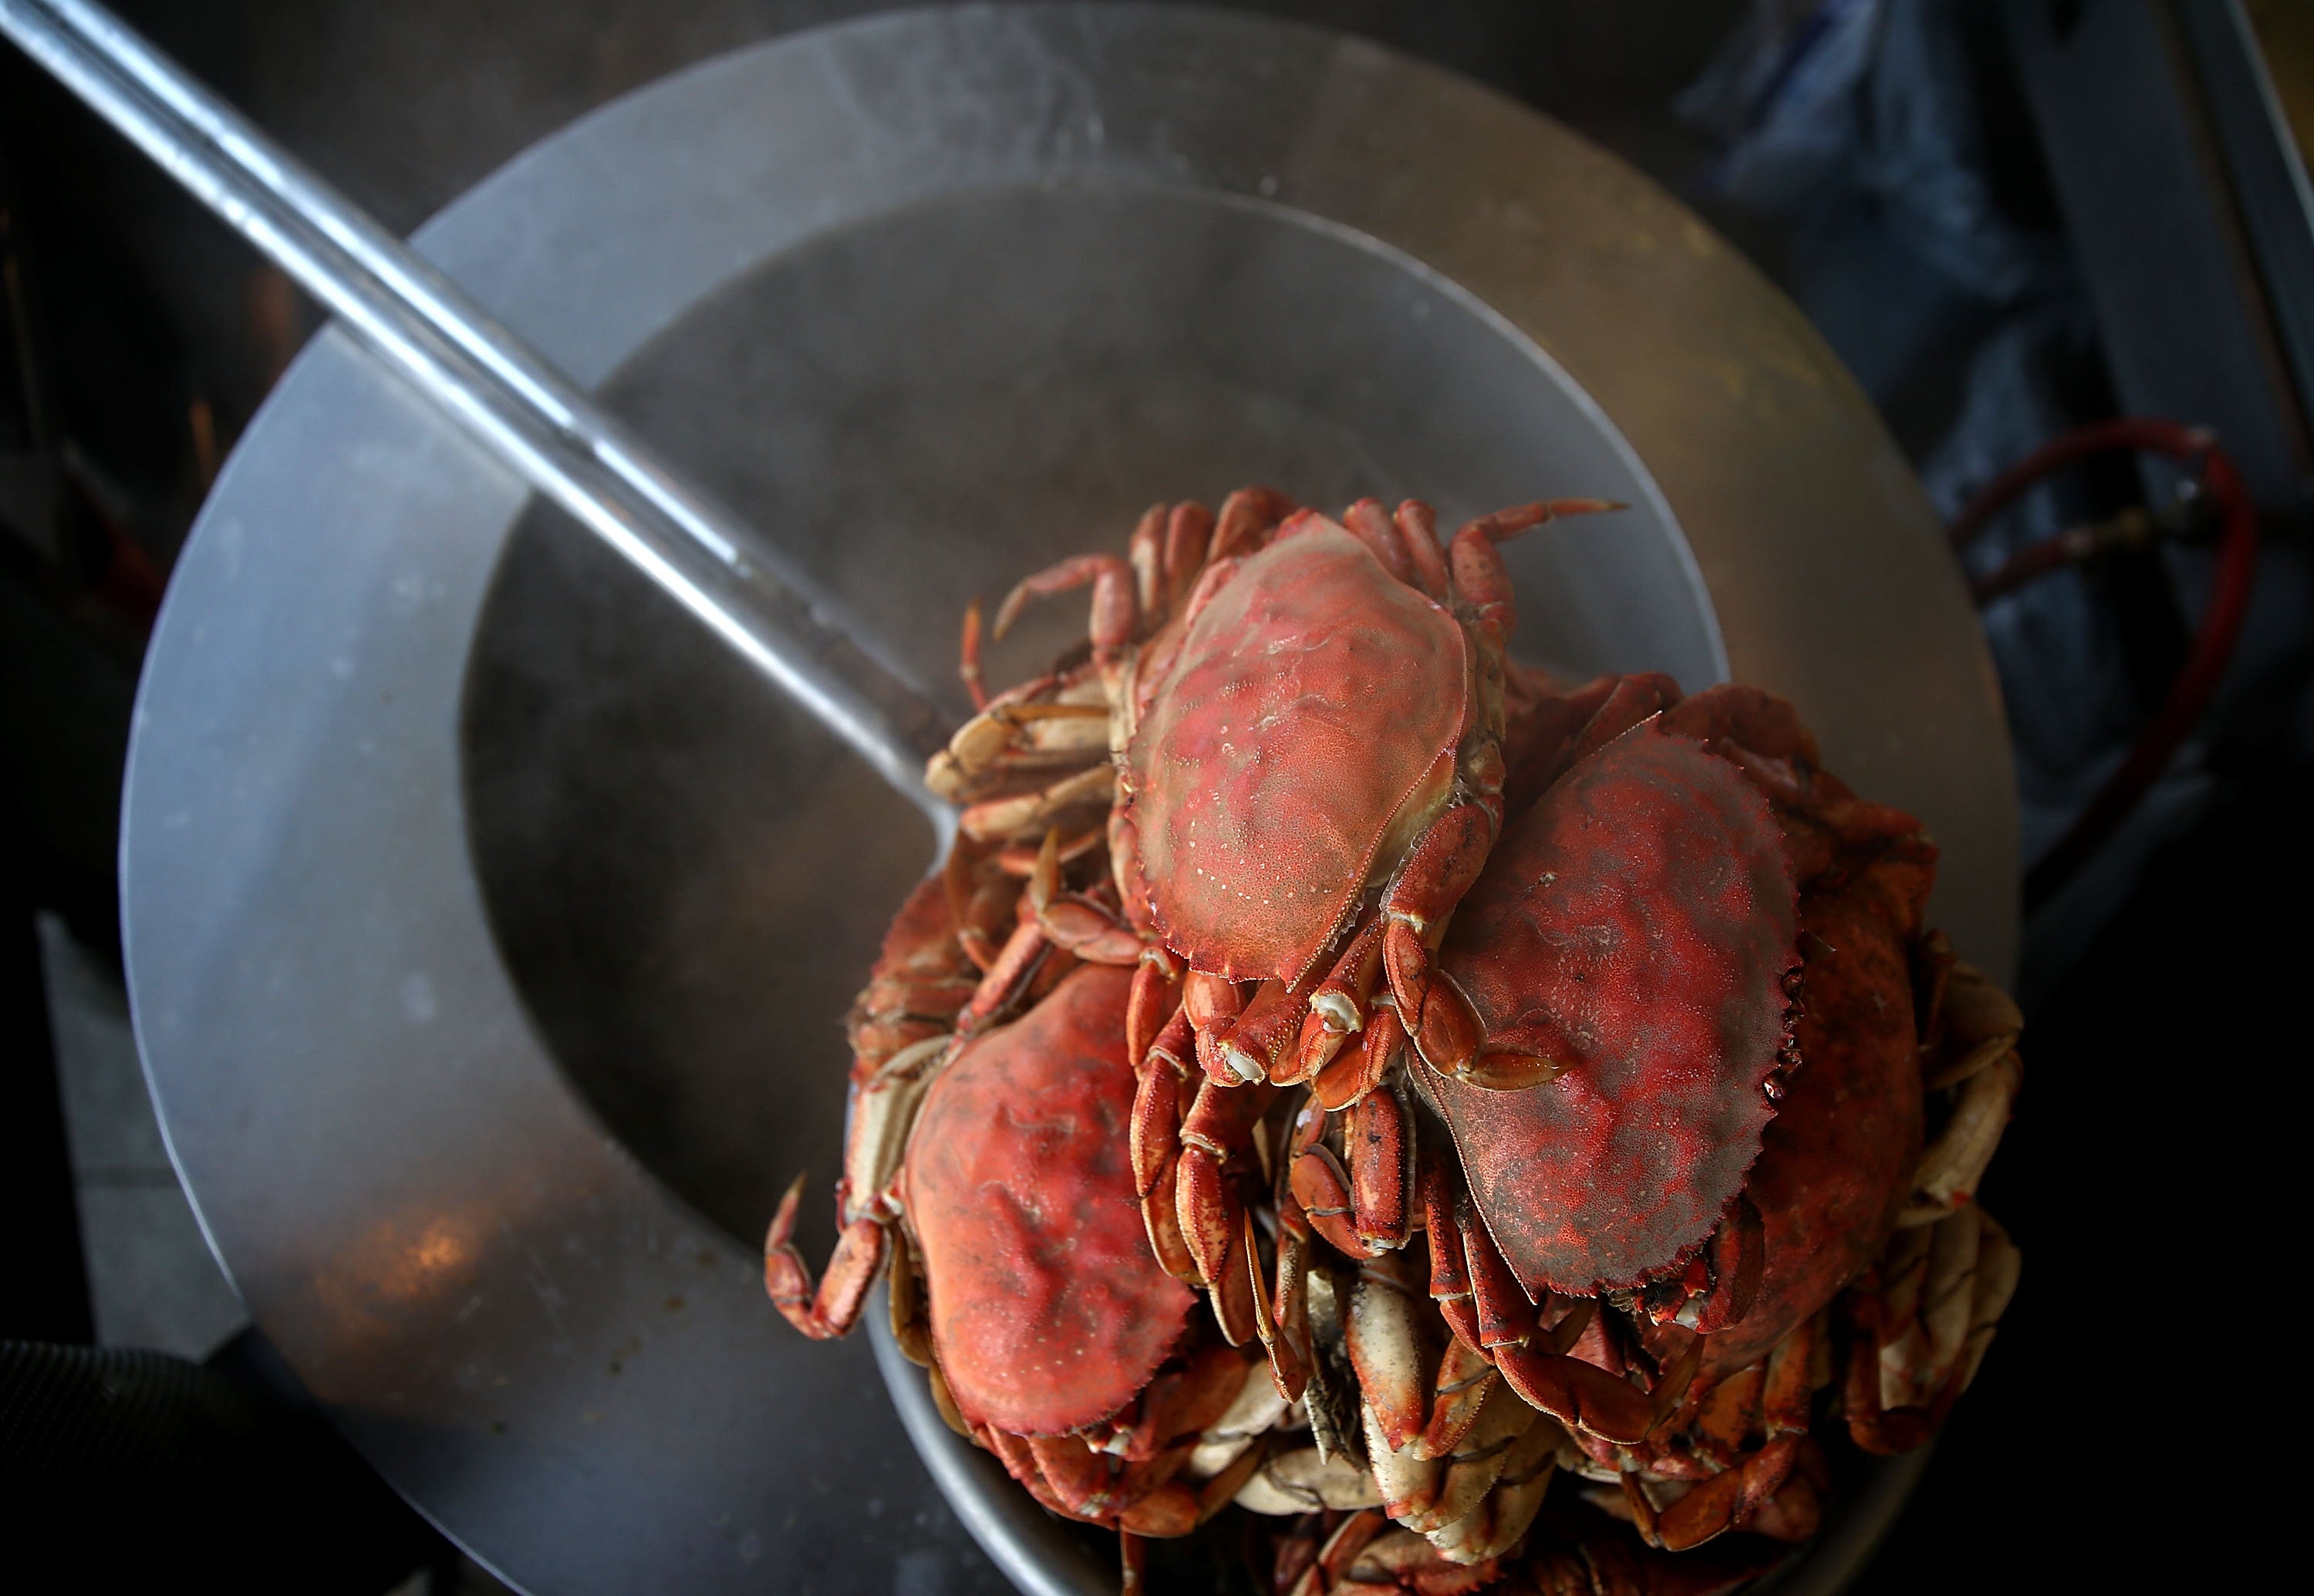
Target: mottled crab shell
x=1644, y=909
x=1048, y=1312
x=1837, y=1160
x=1304, y=733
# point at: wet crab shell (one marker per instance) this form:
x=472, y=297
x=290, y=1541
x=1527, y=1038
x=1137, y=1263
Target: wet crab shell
x=1644, y=909
x=1302, y=737
x=1047, y=1313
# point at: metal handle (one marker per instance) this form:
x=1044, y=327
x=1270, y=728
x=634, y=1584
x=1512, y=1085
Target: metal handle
x=500, y=390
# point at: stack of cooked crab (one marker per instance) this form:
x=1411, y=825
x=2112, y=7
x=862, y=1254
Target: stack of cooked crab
x=1505, y=1129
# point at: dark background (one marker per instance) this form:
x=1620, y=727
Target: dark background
x=1965, y=274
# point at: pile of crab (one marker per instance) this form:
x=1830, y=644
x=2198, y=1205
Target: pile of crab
x=1511, y=1132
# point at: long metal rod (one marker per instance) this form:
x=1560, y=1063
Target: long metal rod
x=499, y=389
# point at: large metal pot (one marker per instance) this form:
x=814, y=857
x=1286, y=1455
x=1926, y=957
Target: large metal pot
x=488, y=928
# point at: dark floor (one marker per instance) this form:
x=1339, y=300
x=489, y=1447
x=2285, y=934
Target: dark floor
x=2135, y=1171
x=2128, y=1142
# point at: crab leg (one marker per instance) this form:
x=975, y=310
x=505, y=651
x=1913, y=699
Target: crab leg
x=1345, y=1083
x=1380, y=1135
x=1320, y=1186
x=996, y=819
x=1727, y=1501
x=1341, y=998
x=1115, y=616
x=1578, y=1394
x=1504, y=1317
x=1417, y=529
x=1351, y=1537
x=1956, y=1162
x=1975, y=1296
x=1080, y=924
x=1631, y=701
x=1009, y=975
x=1218, y=1126
x=1161, y=1215
x=1370, y=524
x=1154, y=1001
x=1271, y=1023
x=1790, y=1383
x=1248, y=516
x=1476, y=1462
x=1951, y=1285
x=1439, y=869
x=1188, y=532
x=1728, y=1412
x=1452, y=1041
x=1384, y=1340
x=1450, y=1270
x=1144, y=550
x=1288, y=1370
x=1465, y=1381
x=1479, y=575
x=967, y=657
x=834, y=1307
x=1236, y=1294
x=1511, y=1501
x=1164, y=1094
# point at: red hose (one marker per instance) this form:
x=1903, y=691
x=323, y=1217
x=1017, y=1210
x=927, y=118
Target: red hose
x=2215, y=635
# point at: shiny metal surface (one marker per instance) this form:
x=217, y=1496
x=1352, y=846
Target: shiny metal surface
x=487, y=924
x=486, y=381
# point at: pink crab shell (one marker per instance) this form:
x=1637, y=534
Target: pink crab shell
x=1643, y=909
x=1311, y=722
x=1048, y=1312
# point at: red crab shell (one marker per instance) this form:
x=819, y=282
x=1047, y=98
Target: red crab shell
x=1310, y=721
x=1644, y=909
x=1047, y=1313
